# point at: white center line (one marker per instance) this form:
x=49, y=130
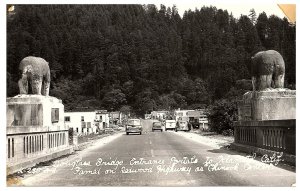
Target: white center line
x=152, y=153
x=150, y=142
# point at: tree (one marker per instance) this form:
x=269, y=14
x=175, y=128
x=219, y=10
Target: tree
x=251, y=39
x=145, y=101
x=11, y=86
x=252, y=16
x=262, y=28
x=114, y=99
x=126, y=109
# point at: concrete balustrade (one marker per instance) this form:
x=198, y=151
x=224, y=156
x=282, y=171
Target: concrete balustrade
x=276, y=135
x=24, y=147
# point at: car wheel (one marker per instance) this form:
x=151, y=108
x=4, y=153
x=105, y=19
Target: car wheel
x=127, y=133
x=140, y=133
x=161, y=130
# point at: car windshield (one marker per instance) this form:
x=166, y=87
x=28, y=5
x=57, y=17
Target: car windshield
x=171, y=122
x=134, y=122
x=157, y=124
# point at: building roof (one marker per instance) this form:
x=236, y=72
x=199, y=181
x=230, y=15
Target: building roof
x=183, y=110
x=115, y=112
x=101, y=112
x=162, y=111
x=197, y=113
x=77, y=112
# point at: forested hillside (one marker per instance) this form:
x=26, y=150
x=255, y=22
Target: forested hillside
x=140, y=57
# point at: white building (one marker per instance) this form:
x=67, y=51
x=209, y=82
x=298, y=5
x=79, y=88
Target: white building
x=84, y=123
x=115, y=117
x=181, y=115
x=160, y=115
x=101, y=119
x=81, y=122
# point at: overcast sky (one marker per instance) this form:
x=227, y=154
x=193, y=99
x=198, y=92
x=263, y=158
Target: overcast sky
x=232, y=7
x=236, y=7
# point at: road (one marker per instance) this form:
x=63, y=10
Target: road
x=167, y=160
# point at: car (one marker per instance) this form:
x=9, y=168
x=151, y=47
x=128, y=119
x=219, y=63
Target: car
x=182, y=126
x=157, y=126
x=170, y=125
x=133, y=126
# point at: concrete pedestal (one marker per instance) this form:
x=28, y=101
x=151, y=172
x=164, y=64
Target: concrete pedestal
x=267, y=123
x=268, y=105
x=35, y=130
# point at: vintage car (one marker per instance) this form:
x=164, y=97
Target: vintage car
x=133, y=126
x=170, y=125
x=182, y=126
x=157, y=126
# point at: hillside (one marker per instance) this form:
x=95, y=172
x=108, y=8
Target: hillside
x=140, y=57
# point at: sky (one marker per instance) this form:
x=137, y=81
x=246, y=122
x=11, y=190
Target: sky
x=235, y=7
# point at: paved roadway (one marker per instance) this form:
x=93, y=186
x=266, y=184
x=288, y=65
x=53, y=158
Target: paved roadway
x=155, y=146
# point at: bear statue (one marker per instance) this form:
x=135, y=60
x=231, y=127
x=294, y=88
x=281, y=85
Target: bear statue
x=36, y=71
x=267, y=70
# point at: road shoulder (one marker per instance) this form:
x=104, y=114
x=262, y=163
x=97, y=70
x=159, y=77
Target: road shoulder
x=213, y=140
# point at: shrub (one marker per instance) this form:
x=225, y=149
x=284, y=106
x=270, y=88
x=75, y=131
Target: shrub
x=221, y=116
x=227, y=132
